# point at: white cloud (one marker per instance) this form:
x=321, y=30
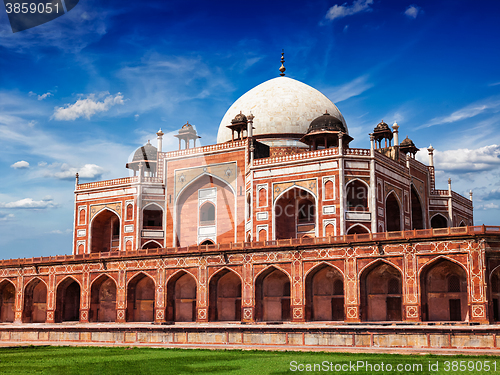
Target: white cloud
x=344, y=10
x=30, y=203
x=494, y=84
x=66, y=172
x=20, y=165
x=350, y=89
x=491, y=104
x=58, y=231
x=487, y=206
x=42, y=164
x=5, y=216
x=412, y=11
x=46, y=95
x=466, y=160
x=87, y=107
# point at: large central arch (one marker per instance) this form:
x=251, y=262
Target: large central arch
x=190, y=213
x=392, y=212
x=417, y=212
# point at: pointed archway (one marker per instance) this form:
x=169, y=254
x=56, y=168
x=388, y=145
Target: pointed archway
x=381, y=293
x=140, y=299
x=7, y=301
x=225, y=296
x=67, y=301
x=272, y=296
x=181, y=298
x=35, y=302
x=295, y=214
x=444, y=291
x=103, y=300
x=392, y=213
x=439, y=221
x=105, y=232
x=324, y=294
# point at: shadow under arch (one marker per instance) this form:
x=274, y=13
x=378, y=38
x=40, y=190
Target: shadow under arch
x=140, y=298
x=7, y=301
x=272, y=295
x=225, y=296
x=393, y=212
x=443, y=286
x=417, y=211
x=103, y=299
x=324, y=287
x=35, y=301
x=181, y=297
x=152, y=244
x=381, y=292
x=439, y=221
x=68, y=293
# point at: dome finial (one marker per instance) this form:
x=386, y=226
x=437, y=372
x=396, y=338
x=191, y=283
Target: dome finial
x=282, y=68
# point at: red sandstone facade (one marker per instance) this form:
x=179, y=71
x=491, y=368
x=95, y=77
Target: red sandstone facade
x=255, y=230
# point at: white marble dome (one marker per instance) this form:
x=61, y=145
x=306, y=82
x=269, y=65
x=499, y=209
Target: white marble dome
x=281, y=105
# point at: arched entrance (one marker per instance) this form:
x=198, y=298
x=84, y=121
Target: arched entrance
x=152, y=245
x=495, y=295
x=295, y=214
x=225, y=296
x=67, y=301
x=205, y=210
x=380, y=290
x=181, y=298
x=417, y=219
x=444, y=292
x=35, y=302
x=7, y=301
x=325, y=294
x=105, y=232
x=140, y=299
x=439, y=221
x=272, y=296
x=103, y=300
x=152, y=217
x=392, y=213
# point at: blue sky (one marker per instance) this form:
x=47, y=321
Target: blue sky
x=82, y=92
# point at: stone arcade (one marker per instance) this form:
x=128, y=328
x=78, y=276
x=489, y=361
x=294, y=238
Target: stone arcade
x=280, y=221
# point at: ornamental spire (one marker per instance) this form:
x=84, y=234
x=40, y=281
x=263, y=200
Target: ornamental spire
x=282, y=68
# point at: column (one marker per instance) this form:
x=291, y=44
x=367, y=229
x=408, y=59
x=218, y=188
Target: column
x=297, y=292
x=341, y=186
x=202, y=294
x=160, y=293
x=411, y=308
x=85, y=296
x=373, y=187
x=247, y=300
x=51, y=296
x=351, y=286
x=19, y=299
x=395, y=132
x=121, y=296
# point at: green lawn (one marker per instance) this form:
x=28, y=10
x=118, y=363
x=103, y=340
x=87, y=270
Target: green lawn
x=93, y=360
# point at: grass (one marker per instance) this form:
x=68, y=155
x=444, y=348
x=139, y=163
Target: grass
x=122, y=361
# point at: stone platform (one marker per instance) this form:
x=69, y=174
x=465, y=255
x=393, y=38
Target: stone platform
x=392, y=338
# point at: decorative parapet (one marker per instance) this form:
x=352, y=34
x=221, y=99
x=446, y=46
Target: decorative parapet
x=204, y=149
x=107, y=183
x=296, y=157
x=264, y=245
x=357, y=151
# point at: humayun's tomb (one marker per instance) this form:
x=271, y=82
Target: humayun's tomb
x=278, y=234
